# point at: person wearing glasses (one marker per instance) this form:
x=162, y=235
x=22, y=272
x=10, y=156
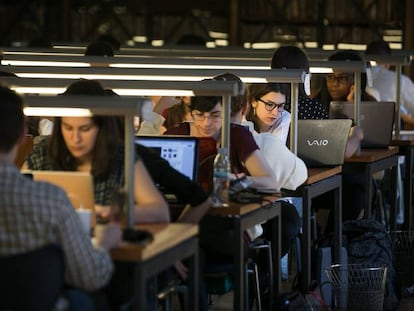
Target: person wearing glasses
x=245, y=156
x=339, y=86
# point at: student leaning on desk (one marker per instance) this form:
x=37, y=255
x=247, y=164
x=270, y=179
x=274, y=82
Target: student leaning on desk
x=93, y=144
x=34, y=215
x=87, y=144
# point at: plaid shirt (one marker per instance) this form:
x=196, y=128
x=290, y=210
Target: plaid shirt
x=104, y=187
x=35, y=214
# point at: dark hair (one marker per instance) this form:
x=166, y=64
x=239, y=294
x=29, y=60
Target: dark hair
x=237, y=102
x=107, y=141
x=204, y=103
x=256, y=91
x=290, y=57
x=116, y=45
x=378, y=47
x=99, y=48
x=351, y=56
x=12, y=119
x=176, y=114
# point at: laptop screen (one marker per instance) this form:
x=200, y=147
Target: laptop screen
x=180, y=151
x=376, y=120
x=322, y=142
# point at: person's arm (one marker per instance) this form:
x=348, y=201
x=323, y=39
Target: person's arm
x=356, y=135
x=86, y=267
x=260, y=172
x=186, y=191
x=164, y=103
x=150, y=205
x=193, y=214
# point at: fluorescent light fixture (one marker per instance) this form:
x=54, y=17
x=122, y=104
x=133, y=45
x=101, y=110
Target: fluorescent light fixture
x=139, y=74
x=140, y=39
x=157, y=42
x=38, y=90
x=311, y=45
x=392, y=38
x=265, y=45
x=43, y=63
x=222, y=42
x=396, y=46
x=352, y=46
x=211, y=44
x=132, y=88
x=59, y=112
x=218, y=35
x=328, y=47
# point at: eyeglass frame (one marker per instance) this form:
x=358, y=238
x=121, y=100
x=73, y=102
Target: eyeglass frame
x=331, y=78
x=280, y=107
x=201, y=116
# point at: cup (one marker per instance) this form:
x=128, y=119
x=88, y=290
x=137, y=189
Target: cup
x=85, y=216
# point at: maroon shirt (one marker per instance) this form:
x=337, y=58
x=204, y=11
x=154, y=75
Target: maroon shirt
x=242, y=144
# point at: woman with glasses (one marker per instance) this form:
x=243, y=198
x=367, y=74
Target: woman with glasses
x=339, y=86
x=292, y=57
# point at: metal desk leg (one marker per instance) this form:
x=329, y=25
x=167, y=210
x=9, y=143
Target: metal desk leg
x=193, y=281
x=140, y=288
x=240, y=301
x=306, y=240
x=338, y=220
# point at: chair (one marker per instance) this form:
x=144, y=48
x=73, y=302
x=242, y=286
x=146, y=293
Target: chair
x=218, y=276
x=33, y=280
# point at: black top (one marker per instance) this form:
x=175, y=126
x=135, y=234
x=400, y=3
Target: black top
x=170, y=179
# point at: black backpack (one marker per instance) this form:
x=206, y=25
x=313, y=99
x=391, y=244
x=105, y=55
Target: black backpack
x=367, y=241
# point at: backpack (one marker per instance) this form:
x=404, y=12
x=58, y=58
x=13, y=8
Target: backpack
x=368, y=242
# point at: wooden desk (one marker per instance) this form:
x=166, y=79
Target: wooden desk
x=246, y=216
x=405, y=145
x=320, y=181
x=369, y=162
x=172, y=242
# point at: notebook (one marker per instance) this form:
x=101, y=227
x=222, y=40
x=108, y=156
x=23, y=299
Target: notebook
x=376, y=120
x=180, y=151
x=322, y=142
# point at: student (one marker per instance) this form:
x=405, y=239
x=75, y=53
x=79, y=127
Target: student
x=339, y=86
x=36, y=214
x=245, y=156
x=263, y=99
x=292, y=57
x=92, y=144
x=383, y=80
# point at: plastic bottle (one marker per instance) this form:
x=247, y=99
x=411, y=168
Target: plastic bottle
x=221, y=172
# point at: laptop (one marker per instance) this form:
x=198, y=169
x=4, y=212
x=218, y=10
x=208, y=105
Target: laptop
x=376, y=120
x=322, y=142
x=77, y=185
x=180, y=151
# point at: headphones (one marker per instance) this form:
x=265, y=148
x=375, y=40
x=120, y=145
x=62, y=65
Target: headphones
x=306, y=83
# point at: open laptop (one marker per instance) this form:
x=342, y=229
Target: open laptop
x=180, y=151
x=77, y=185
x=322, y=142
x=376, y=120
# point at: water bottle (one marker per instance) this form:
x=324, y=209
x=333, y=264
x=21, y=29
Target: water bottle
x=221, y=170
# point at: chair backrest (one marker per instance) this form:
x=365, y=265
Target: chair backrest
x=24, y=150
x=31, y=281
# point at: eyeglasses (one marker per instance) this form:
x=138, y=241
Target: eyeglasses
x=344, y=79
x=270, y=106
x=201, y=116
